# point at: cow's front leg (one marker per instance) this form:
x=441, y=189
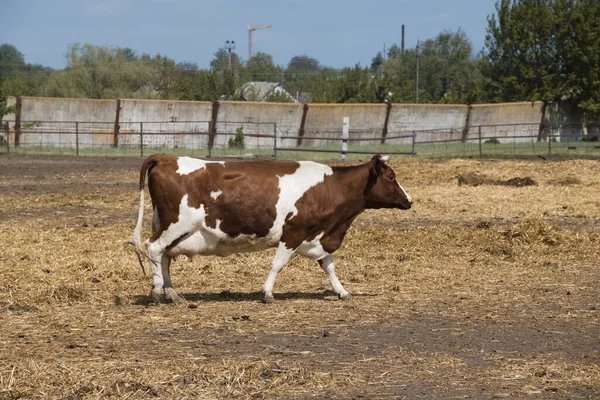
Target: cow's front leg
x=282, y=256
x=329, y=267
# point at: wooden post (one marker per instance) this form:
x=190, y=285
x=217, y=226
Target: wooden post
x=213, y=127
x=302, y=124
x=117, y=126
x=345, y=135
x=18, y=122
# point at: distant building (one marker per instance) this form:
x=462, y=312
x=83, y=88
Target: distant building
x=261, y=91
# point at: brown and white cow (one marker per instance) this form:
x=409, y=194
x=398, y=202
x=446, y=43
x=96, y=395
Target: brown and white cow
x=226, y=207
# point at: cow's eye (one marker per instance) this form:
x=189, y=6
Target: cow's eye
x=392, y=178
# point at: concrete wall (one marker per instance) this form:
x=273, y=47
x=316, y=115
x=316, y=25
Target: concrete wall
x=50, y=121
x=517, y=119
x=428, y=121
x=325, y=121
x=259, y=118
x=168, y=120
x=166, y=123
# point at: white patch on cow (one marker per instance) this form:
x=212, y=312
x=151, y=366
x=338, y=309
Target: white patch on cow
x=386, y=158
x=194, y=236
x=404, y=191
x=313, y=249
x=292, y=187
x=215, y=195
x=187, y=165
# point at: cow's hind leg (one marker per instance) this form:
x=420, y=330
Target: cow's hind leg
x=282, y=256
x=329, y=267
x=156, y=254
x=170, y=293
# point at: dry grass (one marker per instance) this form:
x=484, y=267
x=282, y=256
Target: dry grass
x=477, y=291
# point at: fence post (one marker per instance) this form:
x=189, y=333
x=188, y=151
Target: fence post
x=345, y=135
x=117, y=126
x=479, y=135
x=77, y=138
x=141, y=139
x=302, y=124
x=18, y=121
x=550, y=133
x=275, y=141
x=213, y=126
x=414, y=141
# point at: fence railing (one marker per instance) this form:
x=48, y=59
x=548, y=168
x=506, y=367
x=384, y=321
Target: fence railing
x=265, y=140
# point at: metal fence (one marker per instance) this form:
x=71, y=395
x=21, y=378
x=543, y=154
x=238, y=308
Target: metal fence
x=264, y=140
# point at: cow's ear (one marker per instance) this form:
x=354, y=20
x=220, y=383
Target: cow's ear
x=376, y=163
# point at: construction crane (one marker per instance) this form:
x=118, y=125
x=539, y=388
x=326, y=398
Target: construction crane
x=250, y=30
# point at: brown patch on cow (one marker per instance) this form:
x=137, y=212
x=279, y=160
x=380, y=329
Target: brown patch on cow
x=331, y=207
x=239, y=209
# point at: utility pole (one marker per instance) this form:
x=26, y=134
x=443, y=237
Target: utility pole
x=250, y=30
x=417, y=76
x=229, y=45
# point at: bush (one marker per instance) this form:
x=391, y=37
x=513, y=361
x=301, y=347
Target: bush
x=238, y=141
x=492, y=141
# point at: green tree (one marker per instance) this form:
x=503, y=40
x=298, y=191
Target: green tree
x=17, y=78
x=101, y=72
x=300, y=73
x=221, y=61
x=304, y=63
x=545, y=50
x=262, y=69
x=522, y=56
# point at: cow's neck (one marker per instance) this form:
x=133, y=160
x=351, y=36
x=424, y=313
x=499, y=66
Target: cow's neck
x=352, y=182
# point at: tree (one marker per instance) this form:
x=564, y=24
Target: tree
x=447, y=72
x=262, y=69
x=11, y=60
x=353, y=85
x=522, y=54
x=101, y=72
x=18, y=78
x=545, y=50
x=221, y=60
x=377, y=62
x=304, y=63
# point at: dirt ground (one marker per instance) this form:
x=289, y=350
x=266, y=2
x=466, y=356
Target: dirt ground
x=483, y=290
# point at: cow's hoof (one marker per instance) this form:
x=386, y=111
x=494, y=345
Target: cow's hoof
x=171, y=294
x=155, y=296
x=345, y=296
x=269, y=299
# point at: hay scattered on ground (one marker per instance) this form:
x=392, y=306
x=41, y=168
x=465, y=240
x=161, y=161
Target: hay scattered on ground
x=475, y=179
x=477, y=289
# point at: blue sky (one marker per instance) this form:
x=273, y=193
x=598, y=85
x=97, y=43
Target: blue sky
x=336, y=33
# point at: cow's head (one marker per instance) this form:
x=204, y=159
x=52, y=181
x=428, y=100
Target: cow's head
x=383, y=189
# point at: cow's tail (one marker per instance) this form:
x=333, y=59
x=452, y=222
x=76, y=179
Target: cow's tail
x=137, y=232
